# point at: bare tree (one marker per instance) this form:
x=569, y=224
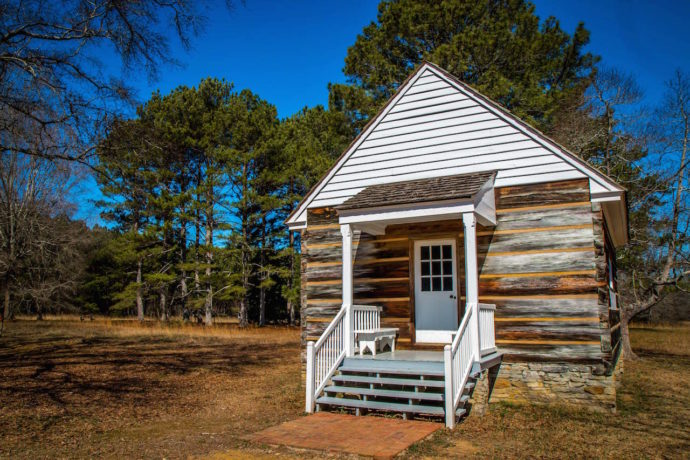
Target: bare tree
x=668, y=260
x=37, y=237
x=55, y=95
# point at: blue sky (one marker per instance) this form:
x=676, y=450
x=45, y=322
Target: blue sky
x=288, y=51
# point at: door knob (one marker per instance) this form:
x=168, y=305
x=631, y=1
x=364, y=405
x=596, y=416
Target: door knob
x=452, y=296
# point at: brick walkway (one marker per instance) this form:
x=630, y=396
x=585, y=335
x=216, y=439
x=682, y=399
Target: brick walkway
x=370, y=436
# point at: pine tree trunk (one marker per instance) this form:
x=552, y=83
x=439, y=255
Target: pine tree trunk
x=262, y=302
x=140, y=301
x=208, y=302
x=262, y=262
x=243, y=313
x=197, y=230
x=163, y=305
x=183, y=259
x=6, y=304
x=197, y=233
x=244, y=317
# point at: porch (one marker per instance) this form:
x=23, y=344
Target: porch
x=411, y=381
x=423, y=382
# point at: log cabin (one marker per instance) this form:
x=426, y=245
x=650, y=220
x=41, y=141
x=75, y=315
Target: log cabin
x=482, y=248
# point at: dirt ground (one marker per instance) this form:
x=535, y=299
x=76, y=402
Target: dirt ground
x=104, y=389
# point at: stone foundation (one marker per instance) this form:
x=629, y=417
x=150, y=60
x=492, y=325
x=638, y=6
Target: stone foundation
x=543, y=383
x=479, y=401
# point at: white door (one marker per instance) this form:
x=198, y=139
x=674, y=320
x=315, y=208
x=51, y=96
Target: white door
x=435, y=293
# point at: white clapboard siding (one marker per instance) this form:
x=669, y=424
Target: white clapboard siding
x=436, y=108
x=456, y=115
x=418, y=173
x=518, y=148
x=529, y=179
x=508, y=141
x=433, y=93
x=477, y=133
x=436, y=127
x=455, y=118
x=435, y=133
x=427, y=85
x=340, y=193
x=406, y=105
x=529, y=157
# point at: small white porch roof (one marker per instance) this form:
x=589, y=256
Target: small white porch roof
x=428, y=200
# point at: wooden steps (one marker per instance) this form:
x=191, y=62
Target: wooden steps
x=389, y=381
x=398, y=367
x=411, y=395
x=386, y=406
x=390, y=385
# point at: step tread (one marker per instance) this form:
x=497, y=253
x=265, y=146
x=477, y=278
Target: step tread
x=393, y=367
x=389, y=381
x=393, y=407
x=420, y=395
x=391, y=370
x=378, y=405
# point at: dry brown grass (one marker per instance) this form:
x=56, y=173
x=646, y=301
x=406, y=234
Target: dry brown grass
x=651, y=422
x=109, y=389
x=71, y=389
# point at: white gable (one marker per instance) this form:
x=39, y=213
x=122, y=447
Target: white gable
x=435, y=126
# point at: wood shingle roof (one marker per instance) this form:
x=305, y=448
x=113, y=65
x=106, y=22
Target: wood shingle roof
x=417, y=191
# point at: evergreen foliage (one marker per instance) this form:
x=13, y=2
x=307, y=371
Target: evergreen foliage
x=197, y=187
x=499, y=47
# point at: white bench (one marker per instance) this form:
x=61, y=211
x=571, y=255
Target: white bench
x=373, y=339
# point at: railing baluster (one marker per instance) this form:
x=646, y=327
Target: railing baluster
x=324, y=356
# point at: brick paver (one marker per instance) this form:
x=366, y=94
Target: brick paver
x=370, y=436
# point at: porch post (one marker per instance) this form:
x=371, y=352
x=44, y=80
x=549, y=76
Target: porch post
x=348, y=290
x=471, y=274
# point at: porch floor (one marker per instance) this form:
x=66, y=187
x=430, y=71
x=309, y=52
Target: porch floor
x=376, y=437
x=405, y=355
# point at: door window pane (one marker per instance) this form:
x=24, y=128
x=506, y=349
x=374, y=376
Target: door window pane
x=425, y=268
x=447, y=251
x=425, y=284
x=447, y=267
x=435, y=252
x=435, y=268
x=425, y=252
x=436, y=283
x=447, y=283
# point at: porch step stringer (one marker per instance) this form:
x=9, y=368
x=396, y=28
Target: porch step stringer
x=391, y=386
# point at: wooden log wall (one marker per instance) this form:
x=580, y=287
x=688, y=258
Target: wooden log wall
x=543, y=265
x=381, y=269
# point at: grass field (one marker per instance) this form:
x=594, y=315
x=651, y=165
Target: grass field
x=117, y=389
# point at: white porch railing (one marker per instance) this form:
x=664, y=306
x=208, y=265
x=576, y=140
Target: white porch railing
x=487, y=333
x=324, y=356
x=475, y=338
x=458, y=358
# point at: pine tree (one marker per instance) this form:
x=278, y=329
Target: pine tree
x=500, y=47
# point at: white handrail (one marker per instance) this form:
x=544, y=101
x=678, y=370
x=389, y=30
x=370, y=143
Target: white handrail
x=324, y=357
x=458, y=359
x=487, y=332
